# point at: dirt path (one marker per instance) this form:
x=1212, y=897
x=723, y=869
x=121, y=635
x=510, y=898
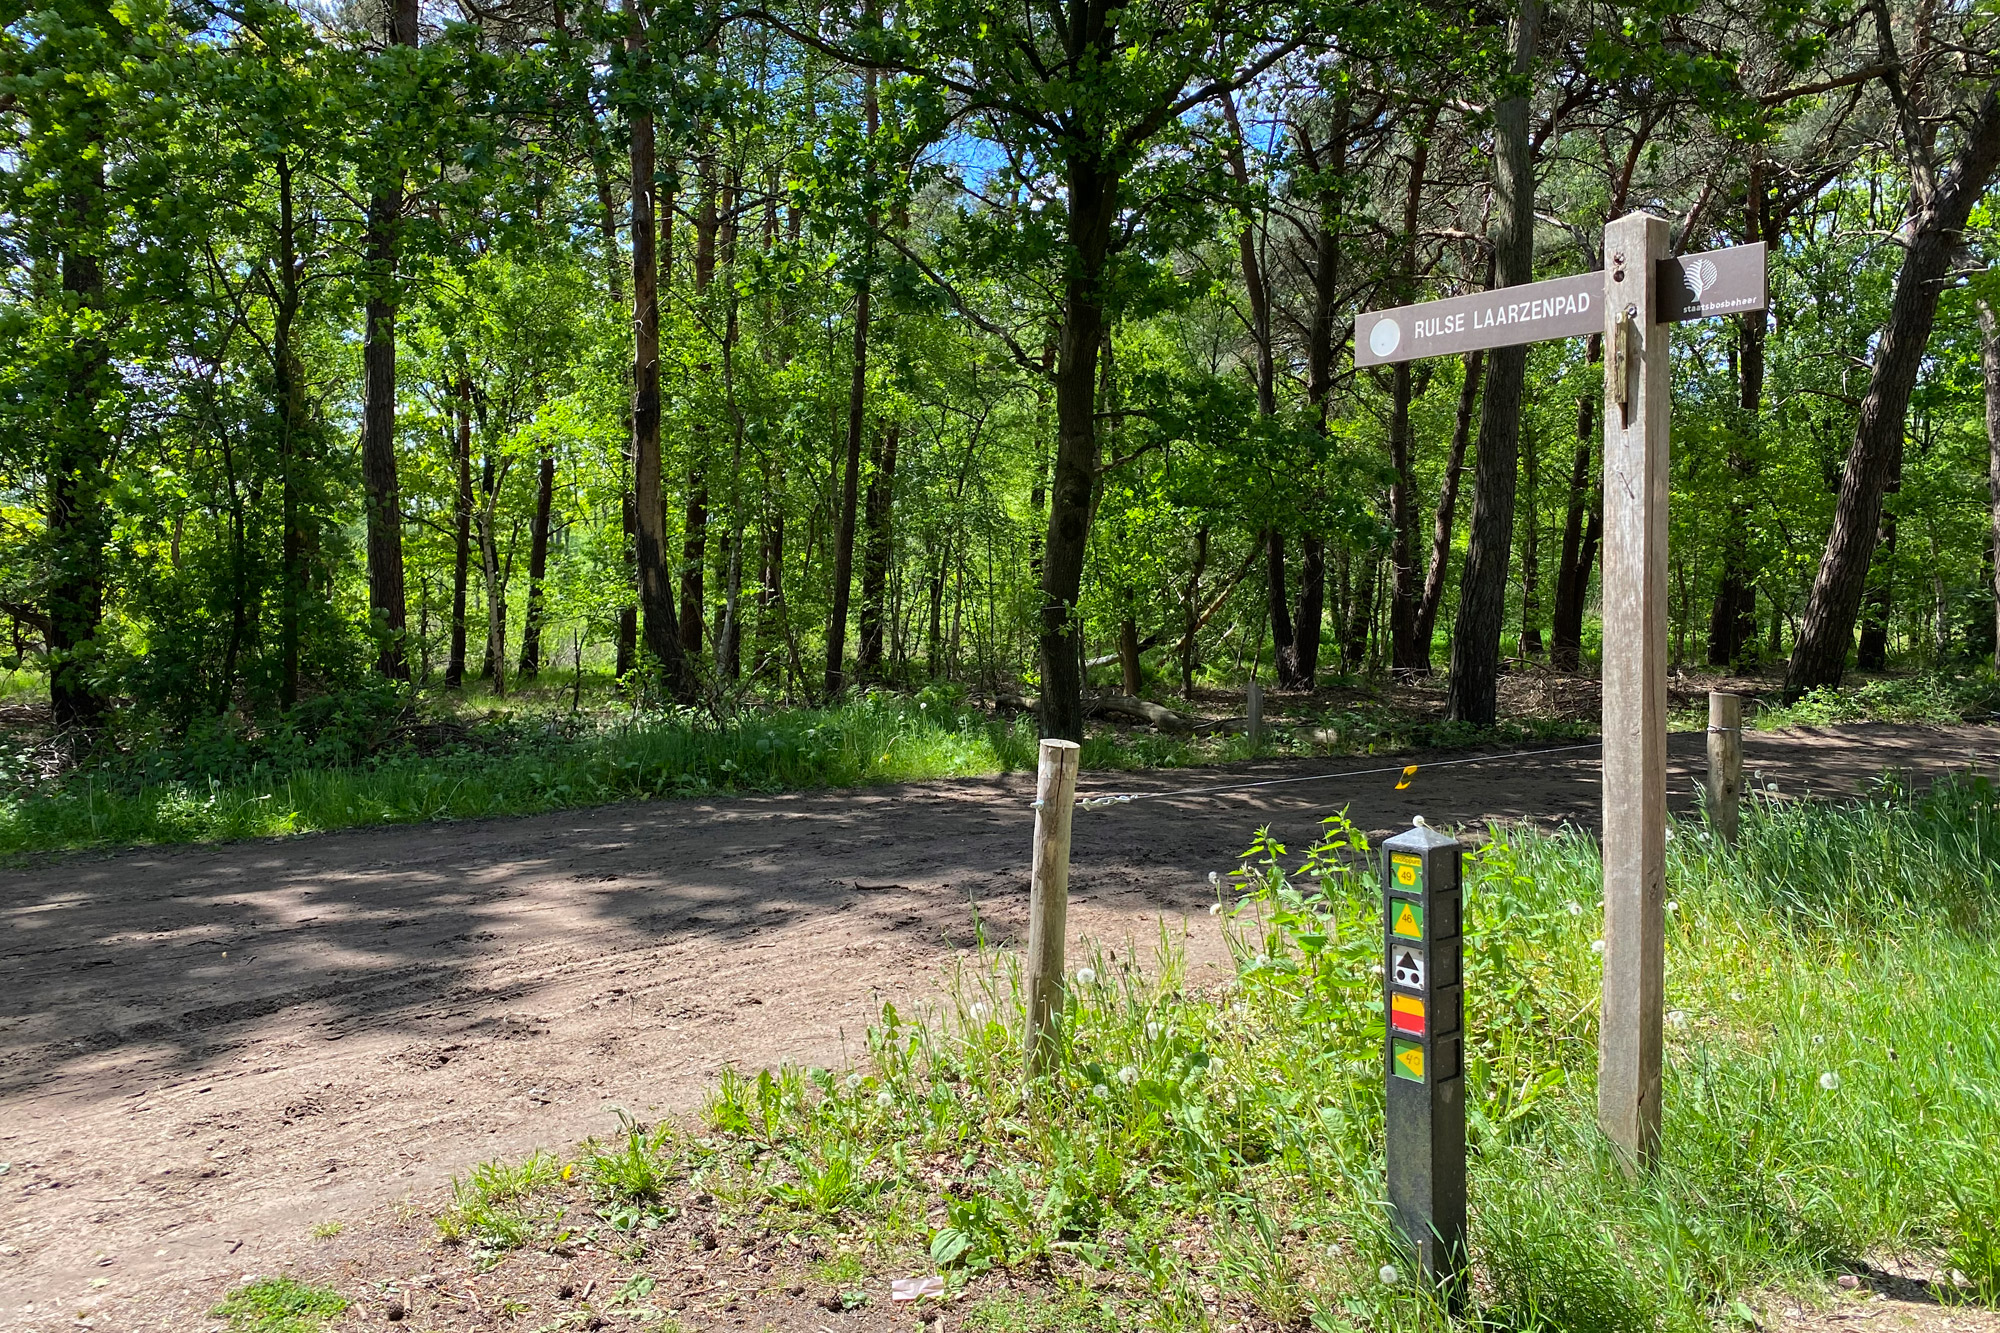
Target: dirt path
x=206, y=1051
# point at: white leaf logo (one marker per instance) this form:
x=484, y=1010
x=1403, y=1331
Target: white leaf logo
x=1700, y=276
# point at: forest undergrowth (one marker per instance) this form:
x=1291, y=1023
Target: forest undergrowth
x=1205, y=1158
x=381, y=756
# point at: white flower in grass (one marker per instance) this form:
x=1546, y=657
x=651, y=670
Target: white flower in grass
x=885, y=1099
x=979, y=1009
x=853, y=1082
x=1128, y=1075
x=1678, y=1017
x=1597, y=946
x=1673, y=907
x=1390, y=1277
x=1214, y=880
x=1829, y=1081
x=1152, y=1032
x=1214, y=909
x=1100, y=1092
x=1086, y=977
x=1574, y=909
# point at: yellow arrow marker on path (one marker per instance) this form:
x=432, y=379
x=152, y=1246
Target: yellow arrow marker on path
x=1408, y=774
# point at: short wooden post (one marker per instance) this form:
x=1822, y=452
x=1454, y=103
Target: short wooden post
x=1725, y=762
x=1253, y=704
x=1637, y=402
x=1048, y=900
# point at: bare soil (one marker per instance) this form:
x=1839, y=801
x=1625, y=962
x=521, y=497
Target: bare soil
x=206, y=1052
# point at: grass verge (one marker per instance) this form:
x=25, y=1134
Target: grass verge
x=1205, y=1160
x=221, y=788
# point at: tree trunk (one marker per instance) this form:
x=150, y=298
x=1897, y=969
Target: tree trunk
x=495, y=668
x=79, y=522
x=1872, y=653
x=1447, y=509
x=454, y=669
x=1732, y=621
x=1573, y=570
x=1360, y=614
x=656, y=598
x=1129, y=669
x=1531, y=548
x=1819, y=654
x=381, y=497
x=857, y=411
x=1279, y=607
x=1093, y=210
x=1407, y=657
x=289, y=377
x=771, y=576
x=1989, y=362
x=1191, y=601
x=538, y=564
x=876, y=559
x=1473, y=695
x=1312, y=605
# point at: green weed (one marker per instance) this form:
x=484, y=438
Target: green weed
x=279, y=1305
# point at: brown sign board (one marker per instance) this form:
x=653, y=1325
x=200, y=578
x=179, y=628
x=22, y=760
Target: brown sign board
x=1720, y=282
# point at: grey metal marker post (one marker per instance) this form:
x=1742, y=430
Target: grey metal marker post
x=1423, y=1005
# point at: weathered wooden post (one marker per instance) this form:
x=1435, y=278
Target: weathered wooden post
x=1725, y=762
x=1253, y=706
x=1632, y=303
x=1423, y=951
x=1637, y=401
x=1048, y=900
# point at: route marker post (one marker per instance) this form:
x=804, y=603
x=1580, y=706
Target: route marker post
x=1423, y=1001
x=1048, y=901
x=1633, y=302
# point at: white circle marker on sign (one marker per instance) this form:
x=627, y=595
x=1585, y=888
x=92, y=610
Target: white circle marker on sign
x=1385, y=337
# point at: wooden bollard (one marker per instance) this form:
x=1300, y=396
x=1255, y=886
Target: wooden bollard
x=1048, y=900
x=1253, y=707
x=1725, y=762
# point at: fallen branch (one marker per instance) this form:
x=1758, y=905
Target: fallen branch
x=1139, y=710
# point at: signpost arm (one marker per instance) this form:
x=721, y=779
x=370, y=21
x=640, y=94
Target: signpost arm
x=1636, y=420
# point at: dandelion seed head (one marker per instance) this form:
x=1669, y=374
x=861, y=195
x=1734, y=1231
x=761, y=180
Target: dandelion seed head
x=1152, y=1032
x=1128, y=1075
x=1597, y=946
x=1673, y=907
x=1213, y=908
x=853, y=1082
x=1678, y=1018
x=885, y=1099
x=1390, y=1277
x=1214, y=879
x=1575, y=909
x=1829, y=1081
x=1100, y=1092
x=1086, y=977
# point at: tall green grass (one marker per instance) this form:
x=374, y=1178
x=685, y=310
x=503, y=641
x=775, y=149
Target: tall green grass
x=651, y=757
x=1832, y=1095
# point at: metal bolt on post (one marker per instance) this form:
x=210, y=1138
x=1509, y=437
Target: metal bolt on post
x=1423, y=997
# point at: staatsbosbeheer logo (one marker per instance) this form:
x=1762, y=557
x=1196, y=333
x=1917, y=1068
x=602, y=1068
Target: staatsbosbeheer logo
x=1699, y=275
x=1385, y=337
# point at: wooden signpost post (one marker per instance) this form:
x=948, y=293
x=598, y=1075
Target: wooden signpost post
x=1633, y=302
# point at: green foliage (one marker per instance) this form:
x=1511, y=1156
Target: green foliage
x=280, y=1305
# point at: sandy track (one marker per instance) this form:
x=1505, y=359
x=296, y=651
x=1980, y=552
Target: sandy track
x=204, y=1051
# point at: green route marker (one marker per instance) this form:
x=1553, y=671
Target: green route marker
x=1422, y=1001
